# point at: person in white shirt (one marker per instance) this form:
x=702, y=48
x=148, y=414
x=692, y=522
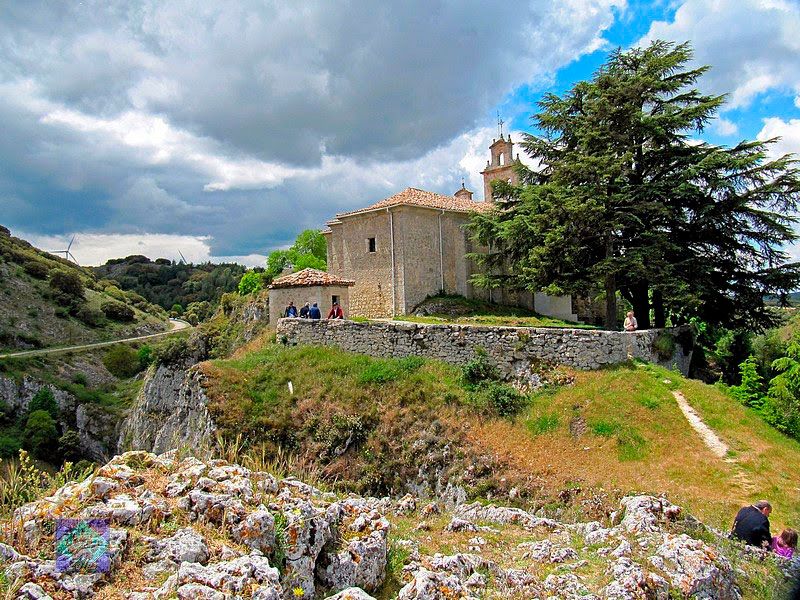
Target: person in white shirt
x=630, y=323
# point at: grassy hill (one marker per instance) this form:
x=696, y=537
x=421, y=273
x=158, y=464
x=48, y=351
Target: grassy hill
x=373, y=424
x=33, y=315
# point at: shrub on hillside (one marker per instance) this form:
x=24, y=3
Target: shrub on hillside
x=249, y=283
x=117, y=311
x=90, y=316
x=479, y=369
x=36, y=269
x=498, y=398
x=198, y=311
x=41, y=434
x=781, y=407
x=69, y=446
x=145, y=356
x=750, y=391
x=67, y=285
x=44, y=400
x=80, y=379
x=122, y=361
x=171, y=351
x=9, y=445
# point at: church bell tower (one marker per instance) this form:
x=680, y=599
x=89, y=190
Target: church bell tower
x=501, y=164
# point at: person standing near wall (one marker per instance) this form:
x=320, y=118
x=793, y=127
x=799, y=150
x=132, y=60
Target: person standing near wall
x=630, y=323
x=314, y=312
x=335, y=312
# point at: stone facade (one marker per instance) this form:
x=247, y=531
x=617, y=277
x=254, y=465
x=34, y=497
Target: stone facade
x=413, y=245
x=511, y=348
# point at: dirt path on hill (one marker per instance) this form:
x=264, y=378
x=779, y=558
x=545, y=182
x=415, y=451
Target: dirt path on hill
x=175, y=326
x=710, y=439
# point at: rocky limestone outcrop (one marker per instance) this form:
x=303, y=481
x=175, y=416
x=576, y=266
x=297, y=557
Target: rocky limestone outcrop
x=169, y=411
x=184, y=528
x=205, y=530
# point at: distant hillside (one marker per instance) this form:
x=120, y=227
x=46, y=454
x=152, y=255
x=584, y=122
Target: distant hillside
x=166, y=283
x=48, y=301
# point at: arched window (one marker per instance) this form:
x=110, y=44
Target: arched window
x=501, y=158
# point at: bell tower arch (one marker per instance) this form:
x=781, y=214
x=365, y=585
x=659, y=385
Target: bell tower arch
x=500, y=165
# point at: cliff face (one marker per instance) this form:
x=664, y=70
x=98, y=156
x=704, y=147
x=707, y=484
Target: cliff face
x=96, y=426
x=170, y=411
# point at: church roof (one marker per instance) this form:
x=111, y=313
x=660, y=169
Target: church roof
x=416, y=197
x=307, y=278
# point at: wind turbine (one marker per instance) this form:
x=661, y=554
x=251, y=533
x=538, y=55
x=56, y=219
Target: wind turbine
x=67, y=254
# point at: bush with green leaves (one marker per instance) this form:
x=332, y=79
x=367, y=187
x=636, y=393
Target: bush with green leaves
x=41, y=435
x=174, y=350
x=117, y=311
x=44, y=400
x=69, y=446
x=122, y=361
x=68, y=287
x=249, y=283
x=750, y=391
x=176, y=310
x=36, y=269
x=80, y=379
x=145, y=355
x=90, y=316
x=479, y=369
x=501, y=399
x=781, y=407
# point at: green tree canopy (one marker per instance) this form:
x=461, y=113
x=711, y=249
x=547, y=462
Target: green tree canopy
x=310, y=250
x=249, y=283
x=624, y=199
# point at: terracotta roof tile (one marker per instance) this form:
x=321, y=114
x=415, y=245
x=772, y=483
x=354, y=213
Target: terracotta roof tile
x=309, y=277
x=417, y=197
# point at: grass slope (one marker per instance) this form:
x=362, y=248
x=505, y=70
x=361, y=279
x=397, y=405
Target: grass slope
x=30, y=317
x=613, y=432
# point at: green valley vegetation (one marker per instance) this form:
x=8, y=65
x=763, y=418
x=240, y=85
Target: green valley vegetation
x=178, y=287
x=48, y=301
x=628, y=201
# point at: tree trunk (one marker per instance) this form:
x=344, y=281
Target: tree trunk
x=610, y=285
x=641, y=303
x=659, y=316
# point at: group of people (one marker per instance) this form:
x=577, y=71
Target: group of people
x=751, y=525
x=312, y=311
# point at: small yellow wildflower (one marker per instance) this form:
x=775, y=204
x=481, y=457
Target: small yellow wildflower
x=298, y=592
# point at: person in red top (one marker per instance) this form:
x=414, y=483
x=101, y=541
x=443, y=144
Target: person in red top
x=336, y=312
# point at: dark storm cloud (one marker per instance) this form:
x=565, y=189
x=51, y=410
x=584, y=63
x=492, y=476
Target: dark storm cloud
x=218, y=118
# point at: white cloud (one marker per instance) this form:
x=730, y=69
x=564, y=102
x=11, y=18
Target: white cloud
x=753, y=46
x=787, y=131
x=726, y=127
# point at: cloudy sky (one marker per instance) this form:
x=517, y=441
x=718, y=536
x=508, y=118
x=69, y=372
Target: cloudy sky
x=223, y=129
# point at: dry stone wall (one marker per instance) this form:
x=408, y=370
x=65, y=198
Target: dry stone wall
x=511, y=348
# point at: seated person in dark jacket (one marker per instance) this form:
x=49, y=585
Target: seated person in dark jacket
x=751, y=524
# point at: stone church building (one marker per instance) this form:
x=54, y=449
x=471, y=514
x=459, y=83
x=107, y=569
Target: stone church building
x=412, y=245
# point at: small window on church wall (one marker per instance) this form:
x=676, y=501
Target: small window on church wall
x=502, y=158
x=370, y=244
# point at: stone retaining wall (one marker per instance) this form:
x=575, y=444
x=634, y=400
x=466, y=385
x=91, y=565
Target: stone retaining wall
x=511, y=348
